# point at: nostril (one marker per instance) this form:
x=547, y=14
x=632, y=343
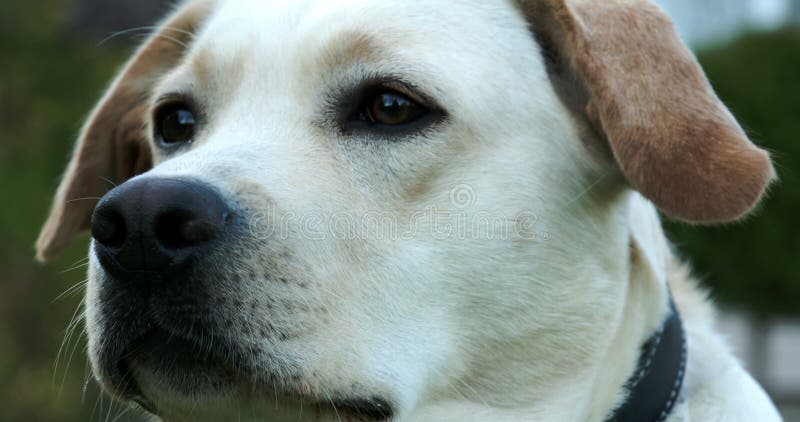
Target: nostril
x=179, y=229
x=108, y=228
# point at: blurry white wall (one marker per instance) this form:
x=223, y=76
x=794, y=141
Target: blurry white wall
x=703, y=22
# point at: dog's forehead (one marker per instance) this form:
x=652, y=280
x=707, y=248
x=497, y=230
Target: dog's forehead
x=301, y=18
x=315, y=30
x=456, y=52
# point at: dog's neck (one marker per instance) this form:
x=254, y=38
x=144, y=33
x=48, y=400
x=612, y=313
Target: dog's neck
x=655, y=386
x=581, y=375
x=645, y=309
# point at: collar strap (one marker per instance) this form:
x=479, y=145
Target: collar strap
x=656, y=384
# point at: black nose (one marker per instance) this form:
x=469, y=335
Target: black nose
x=156, y=226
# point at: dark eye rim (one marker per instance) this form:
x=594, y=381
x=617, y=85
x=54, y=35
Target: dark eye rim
x=168, y=104
x=360, y=99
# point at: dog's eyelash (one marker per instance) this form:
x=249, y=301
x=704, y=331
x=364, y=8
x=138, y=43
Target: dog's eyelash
x=350, y=102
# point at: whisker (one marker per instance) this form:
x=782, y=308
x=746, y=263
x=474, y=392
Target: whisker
x=84, y=259
x=69, y=359
x=79, y=263
x=173, y=39
x=587, y=190
x=76, y=267
x=150, y=28
x=87, y=378
x=300, y=415
x=121, y=414
x=71, y=290
x=333, y=405
x=74, y=320
x=123, y=32
x=111, y=404
x=88, y=198
x=469, y=387
x=450, y=384
x=109, y=181
x=99, y=399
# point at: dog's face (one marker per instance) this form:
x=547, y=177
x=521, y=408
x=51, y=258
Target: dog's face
x=348, y=207
x=346, y=143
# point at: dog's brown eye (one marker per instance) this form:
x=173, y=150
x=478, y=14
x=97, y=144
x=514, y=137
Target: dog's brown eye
x=175, y=124
x=391, y=109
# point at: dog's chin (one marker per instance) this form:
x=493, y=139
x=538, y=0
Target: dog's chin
x=175, y=378
x=165, y=373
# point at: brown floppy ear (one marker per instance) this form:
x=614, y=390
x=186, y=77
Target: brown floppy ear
x=674, y=140
x=113, y=144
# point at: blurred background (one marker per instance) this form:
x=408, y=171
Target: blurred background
x=56, y=56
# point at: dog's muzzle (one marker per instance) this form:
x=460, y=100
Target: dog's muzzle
x=152, y=237
x=171, y=312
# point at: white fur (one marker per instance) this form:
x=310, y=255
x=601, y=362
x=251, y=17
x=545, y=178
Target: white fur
x=475, y=329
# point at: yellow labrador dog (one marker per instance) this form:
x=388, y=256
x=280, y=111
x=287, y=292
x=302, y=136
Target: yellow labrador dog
x=418, y=210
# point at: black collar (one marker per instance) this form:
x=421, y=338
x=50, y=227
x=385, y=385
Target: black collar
x=656, y=384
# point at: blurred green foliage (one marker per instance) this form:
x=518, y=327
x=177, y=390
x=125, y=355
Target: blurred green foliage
x=49, y=80
x=756, y=264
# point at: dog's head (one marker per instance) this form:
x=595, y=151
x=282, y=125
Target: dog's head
x=351, y=205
